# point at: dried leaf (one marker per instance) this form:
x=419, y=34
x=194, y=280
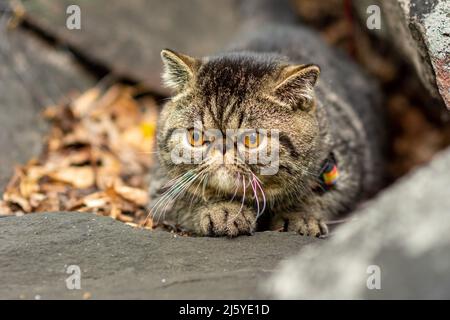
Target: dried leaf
x=79, y=177
x=95, y=200
x=81, y=106
x=138, y=196
x=115, y=212
x=28, y=186
x=148, y=223
x=18, y=200
x=36, y=199
x=5, y=210
x=124, y=218
x=96, y=159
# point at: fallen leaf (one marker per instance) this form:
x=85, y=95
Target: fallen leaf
x=28, y=186
x=5, y=210
x=115, y=211
x=18, y=200
x=124, y=218
x=83, y=104
x=138, y=196
x=79, y=177
x=36, y=199
x=95, y=159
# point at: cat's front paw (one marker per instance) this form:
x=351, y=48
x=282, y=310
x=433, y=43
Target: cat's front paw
x=226, y=219
x=304, y=224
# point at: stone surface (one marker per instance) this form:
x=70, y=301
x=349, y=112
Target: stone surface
x=118, y=261
x=404, y=231
x=128, y=36
x=421, y=31
x=32, y=75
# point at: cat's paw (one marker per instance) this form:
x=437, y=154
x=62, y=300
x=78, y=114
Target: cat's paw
x=305, y=225
x=226, y=219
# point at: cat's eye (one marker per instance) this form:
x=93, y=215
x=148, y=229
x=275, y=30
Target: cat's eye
x=195, y=138
x=251, y=140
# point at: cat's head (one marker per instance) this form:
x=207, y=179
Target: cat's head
x=227, y=111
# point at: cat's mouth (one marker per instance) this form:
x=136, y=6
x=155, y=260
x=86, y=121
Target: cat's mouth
x=224, y=178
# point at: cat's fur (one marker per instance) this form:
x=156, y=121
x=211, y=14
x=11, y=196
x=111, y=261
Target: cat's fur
x=263, y=82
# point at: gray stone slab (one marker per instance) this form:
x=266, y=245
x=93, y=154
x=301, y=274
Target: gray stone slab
x=118, y=261
x=32, y=75
x=128, y=36
x=404, y=232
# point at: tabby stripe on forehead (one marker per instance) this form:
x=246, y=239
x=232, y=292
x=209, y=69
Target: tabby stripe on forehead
x=213, y=117
x=167, y=137
x=202, y=116
x=230, y=110
x=220, y=98
x=286, y=141
x=241, y=119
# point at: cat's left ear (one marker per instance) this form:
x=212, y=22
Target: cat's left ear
x=295, y=85
x=178, y=69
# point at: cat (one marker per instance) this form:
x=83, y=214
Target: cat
x=325, y=124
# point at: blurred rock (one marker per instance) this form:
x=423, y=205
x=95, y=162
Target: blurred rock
x=128, y=36
x=420, y=30
x=404, y=231
x=32, y=76
x=118, y=261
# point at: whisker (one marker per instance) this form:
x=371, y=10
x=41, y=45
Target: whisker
x=176, y=194
x=203, y=175
x=179, y=193
x=243, y=196
x=258, y=184
x=253, y=183
x=205, y=182
x=169, y=193
x=237, y=181
x=171, y=181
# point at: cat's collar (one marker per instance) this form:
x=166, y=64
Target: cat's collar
x=329, y=173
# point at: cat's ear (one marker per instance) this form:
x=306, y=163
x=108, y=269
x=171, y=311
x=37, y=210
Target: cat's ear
x=295, y=85
x=178, y=69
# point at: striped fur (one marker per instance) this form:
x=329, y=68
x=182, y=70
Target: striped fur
x=267, y=82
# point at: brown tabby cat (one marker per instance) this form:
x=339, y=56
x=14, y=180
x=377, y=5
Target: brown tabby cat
x=325, y=127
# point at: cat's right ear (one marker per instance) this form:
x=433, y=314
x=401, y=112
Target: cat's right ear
x=178, y=69
x=296, y=85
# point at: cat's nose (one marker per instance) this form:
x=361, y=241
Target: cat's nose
x=223, y=155
x=217, y=151
x=221, y=147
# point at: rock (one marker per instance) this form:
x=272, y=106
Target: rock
x=420, y=30
x=118, y=261
x=128, y=36
x=32, y=76
x=404, y=232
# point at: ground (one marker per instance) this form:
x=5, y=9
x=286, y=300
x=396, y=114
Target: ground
x=118, y=261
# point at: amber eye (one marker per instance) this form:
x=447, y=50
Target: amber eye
x=195, y=137
x=251, y=140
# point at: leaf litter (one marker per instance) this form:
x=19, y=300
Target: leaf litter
x=96, y=158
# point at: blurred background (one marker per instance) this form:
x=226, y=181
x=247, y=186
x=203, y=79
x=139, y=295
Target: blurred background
x=72, y=53
x=80, y=94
